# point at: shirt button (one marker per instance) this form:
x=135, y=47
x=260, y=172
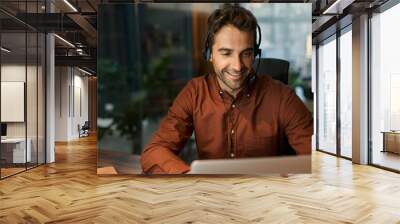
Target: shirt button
x=233, y=131
x=232, y=154
x=233, y=105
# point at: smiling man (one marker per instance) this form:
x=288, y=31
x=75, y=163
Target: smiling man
x=234, y=112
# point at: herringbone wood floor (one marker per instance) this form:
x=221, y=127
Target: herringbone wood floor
x=69, y=191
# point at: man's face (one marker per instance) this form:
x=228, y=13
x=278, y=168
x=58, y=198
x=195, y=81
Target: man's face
x=232, y=57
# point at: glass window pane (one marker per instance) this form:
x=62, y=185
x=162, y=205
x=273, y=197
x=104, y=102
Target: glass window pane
x=31, y=97
x=31, y=87
x=327, y=96
x=13, y=87
x=385, y=86
x=346, y=94
x=286, y=34
x=41, y=98
x=22, y=88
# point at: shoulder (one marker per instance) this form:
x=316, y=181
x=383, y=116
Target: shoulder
x=198, y=83
x=193, y=83
x=274, y=87
x=193, y=87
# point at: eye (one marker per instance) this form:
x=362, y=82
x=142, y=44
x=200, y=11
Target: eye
x=248, y=53
x=225, y=53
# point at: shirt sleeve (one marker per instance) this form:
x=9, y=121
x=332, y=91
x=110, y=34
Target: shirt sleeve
x=297, y=122
x=160, y=156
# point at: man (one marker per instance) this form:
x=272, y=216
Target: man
x=234, y=112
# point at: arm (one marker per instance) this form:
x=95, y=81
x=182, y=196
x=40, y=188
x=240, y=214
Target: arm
x=160, y=155
x=297, y=123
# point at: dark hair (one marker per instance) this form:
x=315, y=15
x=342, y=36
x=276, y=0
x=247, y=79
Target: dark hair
x=235, y=15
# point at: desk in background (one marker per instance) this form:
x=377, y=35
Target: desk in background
x=391, y=141
x=13, y=150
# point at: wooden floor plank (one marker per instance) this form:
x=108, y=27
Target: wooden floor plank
x=69, y=191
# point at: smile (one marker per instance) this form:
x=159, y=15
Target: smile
x=233, y=77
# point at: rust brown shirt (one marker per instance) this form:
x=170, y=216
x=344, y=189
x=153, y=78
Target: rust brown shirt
x=254, y=124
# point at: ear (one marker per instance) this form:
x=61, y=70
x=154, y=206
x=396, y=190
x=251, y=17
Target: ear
x=211, y=57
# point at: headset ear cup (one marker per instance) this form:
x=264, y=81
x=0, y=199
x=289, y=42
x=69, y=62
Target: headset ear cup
x=258, y=52
x=206, y=50
x=205, y=54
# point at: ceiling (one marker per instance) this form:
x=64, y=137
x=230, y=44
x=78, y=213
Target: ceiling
x=330, y=15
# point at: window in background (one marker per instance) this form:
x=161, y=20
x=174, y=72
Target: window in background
x=385, y=88
x=313, y=87
x=140, y=74
x=327, y=95
x=346, y=92
x=286, y=34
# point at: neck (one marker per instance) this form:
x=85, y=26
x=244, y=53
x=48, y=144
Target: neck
x=224, y=87
x=233, y=92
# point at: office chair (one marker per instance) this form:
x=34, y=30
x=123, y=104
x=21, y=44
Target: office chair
x=278, y=69
x=84, y=130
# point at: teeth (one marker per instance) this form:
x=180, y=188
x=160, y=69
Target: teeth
x=233, y=74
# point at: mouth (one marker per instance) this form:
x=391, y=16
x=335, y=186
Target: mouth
x=234, y=77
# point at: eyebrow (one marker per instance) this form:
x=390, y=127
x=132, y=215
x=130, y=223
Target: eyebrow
x=230, y=50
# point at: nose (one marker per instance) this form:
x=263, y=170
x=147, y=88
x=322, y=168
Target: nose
x=237, y=63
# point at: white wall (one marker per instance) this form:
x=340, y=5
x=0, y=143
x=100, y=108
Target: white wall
x=71, y=102
x=61, y=103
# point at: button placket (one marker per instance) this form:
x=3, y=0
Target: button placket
x=233, y=120
x=232, y=148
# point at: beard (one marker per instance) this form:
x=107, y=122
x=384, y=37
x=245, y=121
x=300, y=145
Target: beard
x=232, y=79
